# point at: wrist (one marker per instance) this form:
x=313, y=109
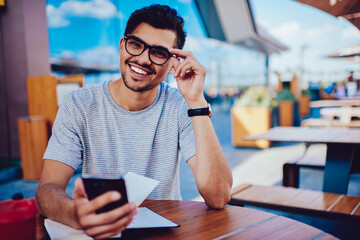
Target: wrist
x=202, y=103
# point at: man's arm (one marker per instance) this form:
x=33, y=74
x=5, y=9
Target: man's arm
x=80, y=213
x=210, y=168
x=51, y=197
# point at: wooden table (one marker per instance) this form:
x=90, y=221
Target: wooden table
x=323, y=122
x=197, y=221
x=342, y=154
x=342, y=112
x=335, y=103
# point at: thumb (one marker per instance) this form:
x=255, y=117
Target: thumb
x=79, y=191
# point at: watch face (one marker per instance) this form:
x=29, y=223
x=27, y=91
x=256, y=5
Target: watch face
x=210, y=112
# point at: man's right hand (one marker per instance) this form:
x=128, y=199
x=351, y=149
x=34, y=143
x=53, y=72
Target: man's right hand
x=103, y=225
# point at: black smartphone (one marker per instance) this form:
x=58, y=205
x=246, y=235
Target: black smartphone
x=97, y=184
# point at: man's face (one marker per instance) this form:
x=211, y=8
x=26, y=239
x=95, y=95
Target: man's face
x=138, y=72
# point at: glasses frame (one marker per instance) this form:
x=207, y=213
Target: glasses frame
x=147, y=46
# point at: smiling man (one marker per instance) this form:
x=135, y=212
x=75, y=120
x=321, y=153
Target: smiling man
x=136, y=123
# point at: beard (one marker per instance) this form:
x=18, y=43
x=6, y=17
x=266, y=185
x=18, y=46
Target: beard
x=127, y=83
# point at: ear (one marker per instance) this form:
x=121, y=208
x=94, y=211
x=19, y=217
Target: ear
x=121, y=44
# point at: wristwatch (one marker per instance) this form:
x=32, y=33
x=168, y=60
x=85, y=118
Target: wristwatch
x=200, y=111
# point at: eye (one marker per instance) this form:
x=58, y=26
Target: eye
x=159, y=53
x=134, y=44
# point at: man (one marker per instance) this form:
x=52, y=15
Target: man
x=136, y=123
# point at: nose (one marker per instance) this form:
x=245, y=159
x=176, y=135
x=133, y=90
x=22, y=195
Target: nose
x=144, y=58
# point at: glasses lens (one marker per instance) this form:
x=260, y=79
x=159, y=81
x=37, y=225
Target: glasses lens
x=134, y=47
x=159, y=56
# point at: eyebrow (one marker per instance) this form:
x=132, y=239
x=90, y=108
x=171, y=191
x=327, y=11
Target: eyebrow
x=156, y=46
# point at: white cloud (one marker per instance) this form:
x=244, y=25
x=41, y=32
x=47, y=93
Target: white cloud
x=103, y=55
x=100, y=9
x=289, y=33
x=107, y=55
x=55, y=17
x=350, y=33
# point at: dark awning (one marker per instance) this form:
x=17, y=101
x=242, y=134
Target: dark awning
x=71, y=66
x=232, y=21
x=348, y=9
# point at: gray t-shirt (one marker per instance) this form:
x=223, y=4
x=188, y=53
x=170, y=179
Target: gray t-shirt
x=90, y=128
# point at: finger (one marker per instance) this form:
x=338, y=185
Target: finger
x=101, y=201
x=186, y=69
x=107, y=235
x=175, y=62
x=115, y=227
x=181, y=53
x=183, y=69
x=93, y=220
x=117, y=224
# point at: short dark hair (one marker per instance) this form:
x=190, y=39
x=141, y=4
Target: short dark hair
x=159, y=16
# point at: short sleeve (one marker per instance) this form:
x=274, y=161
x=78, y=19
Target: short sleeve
x=65, y=142
x=186, y=134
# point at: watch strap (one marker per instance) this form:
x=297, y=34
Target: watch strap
x=199, y=112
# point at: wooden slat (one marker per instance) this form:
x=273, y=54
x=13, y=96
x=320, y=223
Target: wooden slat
x=263, y=194
x=298, y=199
x=303, y=199
x=75, y=78
x=324, y=201
x=325, y=237
x=279, y=228
x=282, y=197
x=216, y=224
x=346, y=204
x=178, y=211
x=356, y=211
x=240, y=188
x=33, y=138
x=42, y=96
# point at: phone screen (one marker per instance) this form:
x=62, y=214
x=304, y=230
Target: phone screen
x=96, y=185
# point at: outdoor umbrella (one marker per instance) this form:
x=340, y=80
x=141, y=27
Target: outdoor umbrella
x=350, y=53
x=348, y=9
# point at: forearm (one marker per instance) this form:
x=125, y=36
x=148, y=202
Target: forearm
x=212, y=172
x=54, y=203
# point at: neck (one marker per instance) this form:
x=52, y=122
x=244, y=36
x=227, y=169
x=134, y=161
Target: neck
x=130, y=100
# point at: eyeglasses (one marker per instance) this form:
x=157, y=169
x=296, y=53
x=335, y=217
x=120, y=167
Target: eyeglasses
x=157, y=54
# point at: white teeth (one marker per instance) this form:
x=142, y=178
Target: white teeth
x=138, y=70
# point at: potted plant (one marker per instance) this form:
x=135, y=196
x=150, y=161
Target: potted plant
x=251, y=115
x=286, y=100
x=304, y=104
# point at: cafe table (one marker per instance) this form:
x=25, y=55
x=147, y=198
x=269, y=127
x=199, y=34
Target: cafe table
x=349, y=102
x=342, y=154
x=197, y=221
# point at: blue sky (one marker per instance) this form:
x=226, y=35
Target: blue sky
x=309, y=33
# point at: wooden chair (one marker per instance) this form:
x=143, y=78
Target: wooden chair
x=35, y=129
x=300, y=201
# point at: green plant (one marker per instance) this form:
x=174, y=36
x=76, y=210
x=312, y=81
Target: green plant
x=305, y=92
x=256, y=96
x=285, y=94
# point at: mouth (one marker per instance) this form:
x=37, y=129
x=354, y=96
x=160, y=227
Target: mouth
x=140, y=70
